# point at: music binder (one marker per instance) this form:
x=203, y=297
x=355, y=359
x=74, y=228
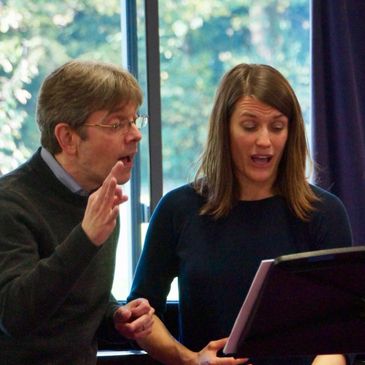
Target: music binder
x=303, y=304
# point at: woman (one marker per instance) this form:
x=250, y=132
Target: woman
x=250, y=201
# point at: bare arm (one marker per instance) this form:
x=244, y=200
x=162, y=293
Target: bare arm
x=329, y=360
x=162, y=346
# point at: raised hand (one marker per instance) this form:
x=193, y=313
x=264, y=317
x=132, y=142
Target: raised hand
x=103, y=207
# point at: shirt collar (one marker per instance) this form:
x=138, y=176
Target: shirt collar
x=61, y=174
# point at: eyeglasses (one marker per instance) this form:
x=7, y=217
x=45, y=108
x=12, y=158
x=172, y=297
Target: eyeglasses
x=122, y=125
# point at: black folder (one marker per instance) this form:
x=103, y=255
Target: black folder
x=304, y=304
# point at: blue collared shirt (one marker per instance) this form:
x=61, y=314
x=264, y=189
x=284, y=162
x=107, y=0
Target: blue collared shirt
x=61, y=174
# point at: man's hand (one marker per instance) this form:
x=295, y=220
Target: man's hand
x=103, y=207
x=208, y=355
x=135, y=319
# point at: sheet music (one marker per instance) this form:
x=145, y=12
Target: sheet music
x=241, y=320
x=312, y=315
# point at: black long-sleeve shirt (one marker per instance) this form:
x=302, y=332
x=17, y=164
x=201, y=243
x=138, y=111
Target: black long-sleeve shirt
x=215, y=260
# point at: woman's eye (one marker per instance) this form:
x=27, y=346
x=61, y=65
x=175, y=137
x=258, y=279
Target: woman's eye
x=278, y=126
x=249, y=126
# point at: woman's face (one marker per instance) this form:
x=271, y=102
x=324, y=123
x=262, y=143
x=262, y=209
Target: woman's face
x=258, y=135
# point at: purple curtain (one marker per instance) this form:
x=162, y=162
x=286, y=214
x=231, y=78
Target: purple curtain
x=338, y=103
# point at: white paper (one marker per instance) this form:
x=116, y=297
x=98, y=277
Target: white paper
x=248, y=304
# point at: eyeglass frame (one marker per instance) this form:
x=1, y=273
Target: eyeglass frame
x=121, y=124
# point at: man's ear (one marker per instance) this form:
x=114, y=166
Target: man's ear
x=67, y=138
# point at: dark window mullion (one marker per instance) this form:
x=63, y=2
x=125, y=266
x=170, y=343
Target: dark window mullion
x=130, y=19
x=154, y=100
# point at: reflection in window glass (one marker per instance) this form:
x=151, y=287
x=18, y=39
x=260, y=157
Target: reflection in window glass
x=199, y=41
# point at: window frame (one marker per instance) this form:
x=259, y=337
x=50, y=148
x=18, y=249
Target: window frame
x=153, y=101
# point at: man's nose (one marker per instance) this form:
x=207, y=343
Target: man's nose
x=134, y=133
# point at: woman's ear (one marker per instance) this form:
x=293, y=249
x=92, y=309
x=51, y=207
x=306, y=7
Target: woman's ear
x=67, y=138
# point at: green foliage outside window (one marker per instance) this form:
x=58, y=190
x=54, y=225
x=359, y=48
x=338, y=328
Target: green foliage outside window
x=36, y=37
x=199, y=41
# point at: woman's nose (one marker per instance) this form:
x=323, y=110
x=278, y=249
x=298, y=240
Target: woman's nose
x=263, y=138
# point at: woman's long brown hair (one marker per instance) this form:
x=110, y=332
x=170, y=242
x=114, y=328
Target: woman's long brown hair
x=215, y=178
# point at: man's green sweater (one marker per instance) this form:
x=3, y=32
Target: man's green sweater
x=54, y=283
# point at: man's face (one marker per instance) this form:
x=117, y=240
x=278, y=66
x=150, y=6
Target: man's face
x=103, y=146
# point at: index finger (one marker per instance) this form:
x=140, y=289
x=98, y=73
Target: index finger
x=117, y=170
x=107, y=188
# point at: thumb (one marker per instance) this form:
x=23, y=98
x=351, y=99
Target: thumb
x=218, y=344
x=122, y=314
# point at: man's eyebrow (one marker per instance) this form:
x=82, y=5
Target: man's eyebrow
x=117, y=112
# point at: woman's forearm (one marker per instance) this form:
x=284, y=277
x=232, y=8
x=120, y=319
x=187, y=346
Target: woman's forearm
x=162, y=346
x=329, y=360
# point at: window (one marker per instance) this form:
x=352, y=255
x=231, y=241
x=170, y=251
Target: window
x=198, y=42
x=37, y=37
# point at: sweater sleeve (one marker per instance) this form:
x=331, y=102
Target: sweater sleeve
x=331, y=226
x=158, y=264
x=33, y=288
x=106, y=332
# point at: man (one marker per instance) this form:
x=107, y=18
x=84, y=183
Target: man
x=59, y=221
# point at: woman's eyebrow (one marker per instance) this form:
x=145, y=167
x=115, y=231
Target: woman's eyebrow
x=255, y=115
x=248, y=114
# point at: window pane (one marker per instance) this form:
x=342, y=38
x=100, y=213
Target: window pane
x=199, y=41
x=36, y=37
x=128, y=245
